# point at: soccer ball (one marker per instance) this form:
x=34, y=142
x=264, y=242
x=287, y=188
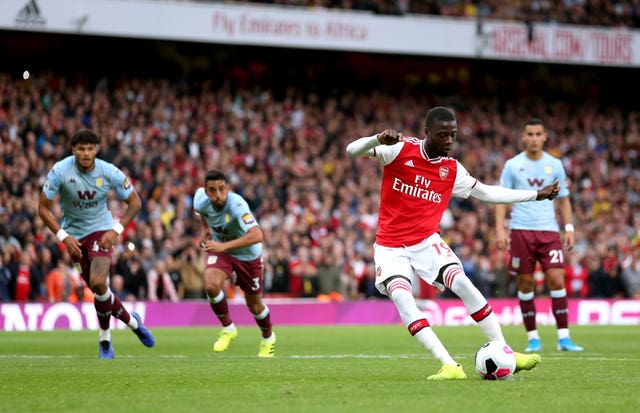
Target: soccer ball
x=495, y=361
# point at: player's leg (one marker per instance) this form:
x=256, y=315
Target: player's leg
x=454, y=278
x=448, y=268
x=551, y=259
x=108, y=304
x=525, y=284
x=214, y=278
x=250, y=279
x=399, y=290
x=133, y=320
x=560, y=308
x=522, y=263
x=393, y=281
x=482, y=313
x=262, y=316
x=98, y=272
x=435, y=262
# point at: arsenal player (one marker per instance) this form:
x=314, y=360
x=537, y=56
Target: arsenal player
x=418, y=181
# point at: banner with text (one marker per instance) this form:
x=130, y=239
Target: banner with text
x=45, y=316
x=298, y=27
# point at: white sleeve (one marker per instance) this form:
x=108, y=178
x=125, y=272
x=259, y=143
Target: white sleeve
x=501, y=195
x=370, y=146
x=464, y=182
x=363, y=146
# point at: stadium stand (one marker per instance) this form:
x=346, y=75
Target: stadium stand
x=608, y=13
x=168, y=112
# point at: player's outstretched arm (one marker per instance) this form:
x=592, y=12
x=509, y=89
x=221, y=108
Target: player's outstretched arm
x=501, y=195
x=363, y=146
x=549, y=192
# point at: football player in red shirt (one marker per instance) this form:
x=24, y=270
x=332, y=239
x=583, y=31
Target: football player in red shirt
x=418, y=181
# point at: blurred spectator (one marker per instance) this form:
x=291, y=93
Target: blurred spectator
x=75, y=288
x=471, y=268
x=367, y=285
x=44, y=264
x=277, y=272
x=134, y=276
x=161, y=287
x=603, y=275
x=26, y=280
x=484, y=275
x=54, y=281
x=304, y=274
x=191, y=268
x=5, y=279
x=501, y=279
x=174, y=273
x=356, y=272
x=116, y=283
x=7, y=241
x=330, y=258
x=630, y=274
x=576, y=276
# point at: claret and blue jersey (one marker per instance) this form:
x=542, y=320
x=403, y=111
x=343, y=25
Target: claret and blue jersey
x=520, y=172
x=83, y=196
x=232, y=222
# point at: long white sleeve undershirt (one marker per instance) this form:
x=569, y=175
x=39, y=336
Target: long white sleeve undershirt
x=363, y=146
x=500, y=195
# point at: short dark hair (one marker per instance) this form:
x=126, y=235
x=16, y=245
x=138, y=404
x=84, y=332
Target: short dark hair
x=215, y=175
x=533, y=121
x=438, y=114
x=84, y=137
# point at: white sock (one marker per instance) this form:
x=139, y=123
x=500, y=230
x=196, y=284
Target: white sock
x=400, y=293
x=526, y=296
x=263, y=314
x=230, y=328
x=490, y=326
x=217, y=298
x=563, y=333
x=474, y=301
x=271, y=338
x=533, y=334
x=104, y=297
x=430, y=341
x=133, y=323
x=105, y=335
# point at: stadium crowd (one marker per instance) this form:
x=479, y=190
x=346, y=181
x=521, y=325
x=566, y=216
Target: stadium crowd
x=284, y=151
x=610, y=13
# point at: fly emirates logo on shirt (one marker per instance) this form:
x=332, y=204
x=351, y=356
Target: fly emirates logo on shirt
x=419, y=188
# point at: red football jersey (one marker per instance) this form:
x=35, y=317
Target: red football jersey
x=415, y=192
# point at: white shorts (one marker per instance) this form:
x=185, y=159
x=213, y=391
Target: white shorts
x=424, y=260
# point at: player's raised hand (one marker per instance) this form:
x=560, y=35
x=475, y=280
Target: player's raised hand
x=549, y=192
x=390, y=137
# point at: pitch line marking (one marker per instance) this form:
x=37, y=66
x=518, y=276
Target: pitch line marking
x=300, y=357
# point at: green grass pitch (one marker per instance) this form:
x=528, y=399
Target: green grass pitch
x=316, y=369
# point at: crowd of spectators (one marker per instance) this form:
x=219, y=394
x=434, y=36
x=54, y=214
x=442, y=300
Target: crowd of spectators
x=284, y=152
x=609, y=13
